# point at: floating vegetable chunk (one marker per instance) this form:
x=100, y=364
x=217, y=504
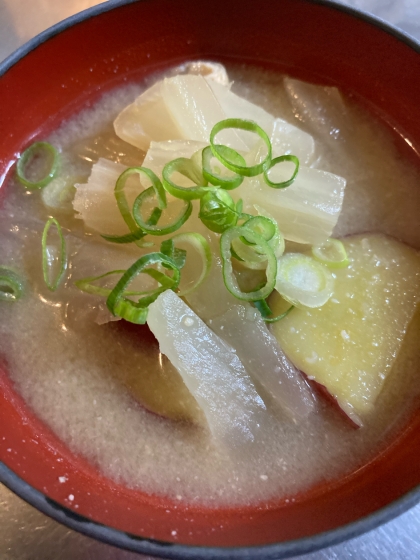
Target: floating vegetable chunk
x=243, y=327
x=349, y=345
x=95, y=201
x=307, y=210
x=210, y=369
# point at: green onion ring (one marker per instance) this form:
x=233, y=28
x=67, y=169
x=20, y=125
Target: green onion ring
x=11, y=285
x=274, y=162
x=123, y=203
x=241, y=124
x=332, y=253
x=136, y=235
x=227, y=183
x=228, y=275
x=63, y=255
x=27, y=155
x=265, y=311
x=127, y=238
x=155, y=229
x=136, y=312
x=86, y=284
x=179, y=256
x=218, y=211
x=189, y=169
x=201, y=244
x=248, y=252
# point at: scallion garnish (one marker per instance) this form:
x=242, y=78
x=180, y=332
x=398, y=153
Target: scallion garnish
x=224, y=181
x=275, y=161
x=179, y=256
x=127, y=238
x=266, y=312
x=230, y=157
x=136, y=311
x=189, y=169
x=301, y=280
x=260, y=244
x=48, y=261
x=332, y=253
x=154, y=229
x=87, y=284
x=201, y=245
x=218, y=211
x=123, y=206
x=268, y=229
x=30, y=154
x=11, y=285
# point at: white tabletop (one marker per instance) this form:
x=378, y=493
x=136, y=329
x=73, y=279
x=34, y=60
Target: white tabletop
x=26, y=534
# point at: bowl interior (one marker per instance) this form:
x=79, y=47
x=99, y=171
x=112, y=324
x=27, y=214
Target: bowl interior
x=307, y=40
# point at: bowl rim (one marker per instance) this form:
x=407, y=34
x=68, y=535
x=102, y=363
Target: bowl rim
x=169, y=550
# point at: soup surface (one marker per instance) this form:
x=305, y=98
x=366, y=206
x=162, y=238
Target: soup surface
x=88, y=381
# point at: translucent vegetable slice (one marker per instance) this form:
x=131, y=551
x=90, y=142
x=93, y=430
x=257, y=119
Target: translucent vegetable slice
x=285, y=137
x=244, y=329
x=210, y=369
x=146, y=119
x=307, y=210
x=195, y=109
x=95, y=201
x=160, y=153
x=182, y=107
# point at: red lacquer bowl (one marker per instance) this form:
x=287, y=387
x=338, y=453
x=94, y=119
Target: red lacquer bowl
x=52, y=77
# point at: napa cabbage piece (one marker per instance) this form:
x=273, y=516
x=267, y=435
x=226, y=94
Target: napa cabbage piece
x=160, y=153
x=306, y=211
x=188, y=106
x=285, y=137
x=210, y=369
x=182, y=107
x=95, y=202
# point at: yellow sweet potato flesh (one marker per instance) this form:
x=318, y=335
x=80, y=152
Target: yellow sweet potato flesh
x=350, y=344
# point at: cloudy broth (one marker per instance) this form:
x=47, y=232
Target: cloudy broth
x=87, y=381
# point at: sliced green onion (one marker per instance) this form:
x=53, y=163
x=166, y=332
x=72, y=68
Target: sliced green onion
x=87, y=284
x=221, y=153
x=225, y=182
x=189, y=169
x=46, y=262
x=332, y=253
x=28, y=155
x=274, y=162
x=136, y=312
x=123, y=205
x=156, y=229
x=303, y=281
x=265, y=311
x=127, y=238
x=11, y=285
x=261, y=244
x=138, y=234
x=179, y=256
x=268, y=229
x=217, y=211
x=202, y=246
